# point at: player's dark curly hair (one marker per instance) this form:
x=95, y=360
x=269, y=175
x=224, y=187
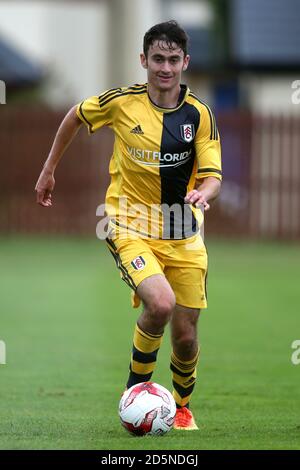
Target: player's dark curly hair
x=170, y=32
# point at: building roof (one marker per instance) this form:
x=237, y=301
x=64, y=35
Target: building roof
x=265, y=32
x=15, y=68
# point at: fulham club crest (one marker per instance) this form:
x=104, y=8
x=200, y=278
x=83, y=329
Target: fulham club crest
x=187, y=132
x=138, y=263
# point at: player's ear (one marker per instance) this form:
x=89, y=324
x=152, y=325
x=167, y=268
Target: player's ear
x=186, y=62
x=143, y=59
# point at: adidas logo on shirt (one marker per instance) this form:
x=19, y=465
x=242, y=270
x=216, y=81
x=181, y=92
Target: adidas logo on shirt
x=137, y=130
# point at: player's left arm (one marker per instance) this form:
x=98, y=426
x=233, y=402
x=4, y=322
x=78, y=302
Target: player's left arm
x=208, y=154
x=207, y=190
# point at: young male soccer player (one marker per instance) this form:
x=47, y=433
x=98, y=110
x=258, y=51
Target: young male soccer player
x=166, y=162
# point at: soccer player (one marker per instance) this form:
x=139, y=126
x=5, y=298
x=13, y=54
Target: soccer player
x=166, y=164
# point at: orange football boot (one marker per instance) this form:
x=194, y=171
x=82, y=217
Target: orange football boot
x=184, y=420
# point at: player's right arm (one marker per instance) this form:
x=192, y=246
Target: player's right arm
x=95, y=112
x=64, y=136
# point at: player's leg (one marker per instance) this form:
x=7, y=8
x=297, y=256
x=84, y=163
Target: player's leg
x=185, y=354
x=143, y=272
x=184, y=360
x=188, y=285
x=159, y=303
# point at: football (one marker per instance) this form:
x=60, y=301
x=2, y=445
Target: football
x=147, y=409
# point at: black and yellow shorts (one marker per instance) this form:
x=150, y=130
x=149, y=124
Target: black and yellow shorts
x=182, y=262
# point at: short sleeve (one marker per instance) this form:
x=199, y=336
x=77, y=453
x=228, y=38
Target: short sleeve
x=93, y=115
x=208, y=146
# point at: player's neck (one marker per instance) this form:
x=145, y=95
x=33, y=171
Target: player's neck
x=164, y=99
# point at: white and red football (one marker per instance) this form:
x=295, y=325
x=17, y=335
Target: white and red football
x=147, y=408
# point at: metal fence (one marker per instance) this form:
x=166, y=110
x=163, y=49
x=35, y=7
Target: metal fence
x=274, y=209
x=260, y=193
x=81, y=178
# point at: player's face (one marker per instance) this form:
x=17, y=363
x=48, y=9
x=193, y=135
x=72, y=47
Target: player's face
x=164, y=65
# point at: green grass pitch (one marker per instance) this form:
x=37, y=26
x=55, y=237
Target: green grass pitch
x=67, y=324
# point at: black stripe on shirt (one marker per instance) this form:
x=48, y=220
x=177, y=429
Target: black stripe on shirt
x=175, y=180
x=83, y=116
x=209, y=170
x=108, y=93
x=117, y=91
x=123, y=94
x=213, y=127
x=112, y=91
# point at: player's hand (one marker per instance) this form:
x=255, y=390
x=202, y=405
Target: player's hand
x=197, y=198
x=44, y=188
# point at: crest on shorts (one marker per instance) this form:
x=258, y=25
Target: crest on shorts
x=187, y=132
x=138, y=263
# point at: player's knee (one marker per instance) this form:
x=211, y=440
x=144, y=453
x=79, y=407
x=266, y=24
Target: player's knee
x=161, y=308
x=185, y=342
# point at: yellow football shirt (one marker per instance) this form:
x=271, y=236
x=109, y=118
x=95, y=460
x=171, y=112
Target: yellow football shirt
x=158, y=155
